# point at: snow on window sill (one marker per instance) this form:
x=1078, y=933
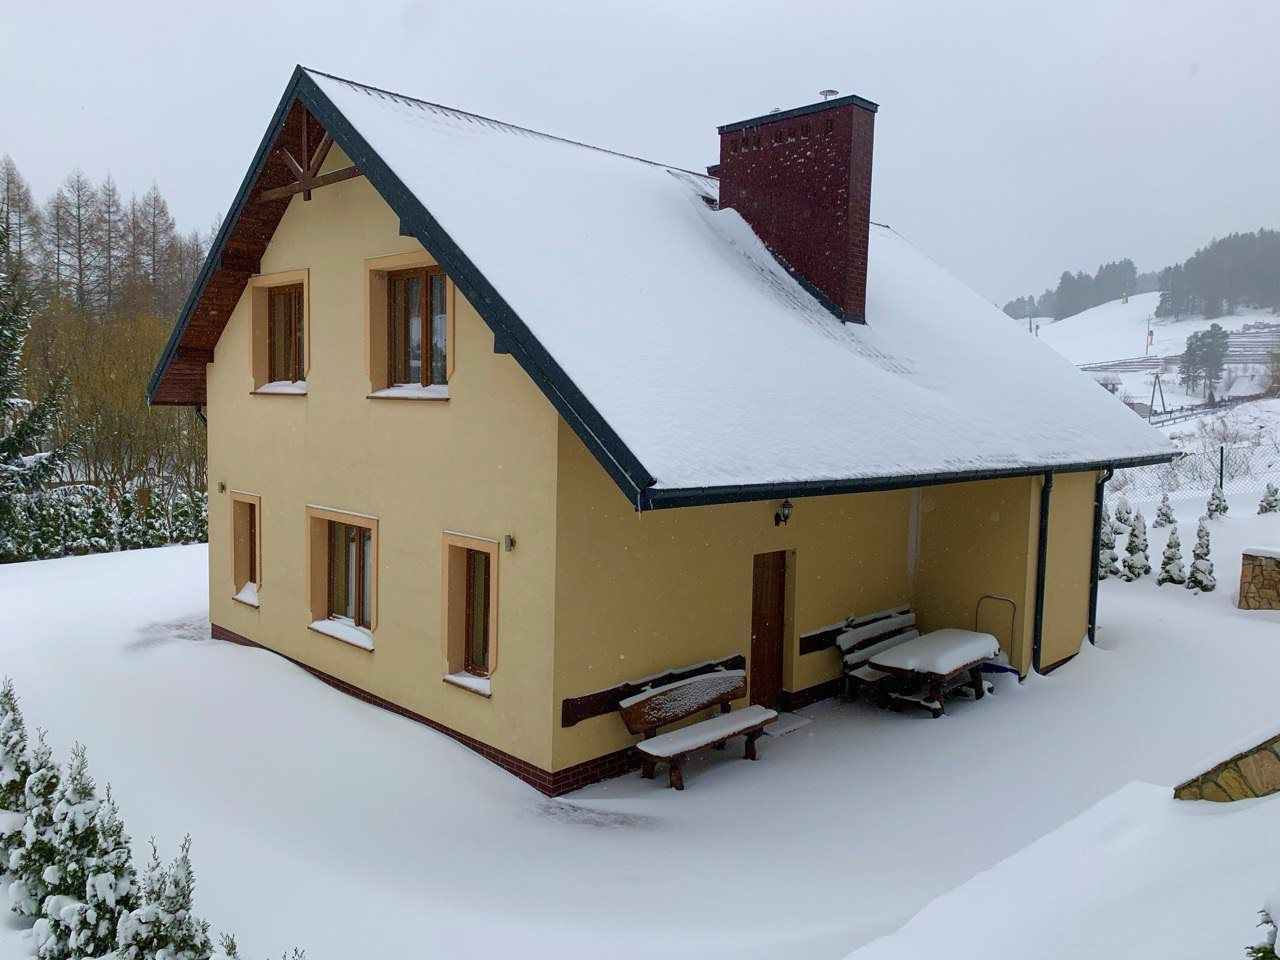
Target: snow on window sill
x=469, y=682
x=346, y=632
x=248, y=595
x=412, y=392
x=287, y=388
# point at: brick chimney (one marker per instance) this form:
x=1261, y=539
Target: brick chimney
x=802, y=179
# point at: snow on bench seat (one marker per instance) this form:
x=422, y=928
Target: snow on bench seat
x=941, y=652
x=706, y=732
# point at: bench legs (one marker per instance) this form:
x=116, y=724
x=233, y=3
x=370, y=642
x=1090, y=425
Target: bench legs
x=975, y=681
x=936, y=695
x=750, y=752
x=648, y=768
x=675, y=773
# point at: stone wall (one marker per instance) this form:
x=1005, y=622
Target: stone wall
x=1254, y=773
x=1260, y=580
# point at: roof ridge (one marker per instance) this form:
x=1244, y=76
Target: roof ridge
x=504, y=123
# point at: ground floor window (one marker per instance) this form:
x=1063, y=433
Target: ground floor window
x=470, y=610
x=343, y=578
x=477, y=613
x=246, y=547
x=350, y=573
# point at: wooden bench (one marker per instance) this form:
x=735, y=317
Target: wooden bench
x=645, y=712
x=857, y=640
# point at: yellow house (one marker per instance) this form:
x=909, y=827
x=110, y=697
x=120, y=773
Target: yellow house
x=497, y=421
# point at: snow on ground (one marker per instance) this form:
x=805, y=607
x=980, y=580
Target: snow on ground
x=321, y=821
x=1256, y=419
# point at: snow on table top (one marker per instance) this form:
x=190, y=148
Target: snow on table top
x=740, y=376
x=941, y=651
x=706, y=731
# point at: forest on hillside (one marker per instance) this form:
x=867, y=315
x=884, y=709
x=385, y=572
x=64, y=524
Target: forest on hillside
x=1241, y=269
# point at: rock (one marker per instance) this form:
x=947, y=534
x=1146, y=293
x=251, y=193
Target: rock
x=1211, y=791
x=1233, y=782
x=1261, y=770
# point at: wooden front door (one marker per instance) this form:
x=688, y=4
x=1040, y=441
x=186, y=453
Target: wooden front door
x=768, y=613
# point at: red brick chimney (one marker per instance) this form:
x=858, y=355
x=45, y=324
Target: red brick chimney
x=802, y=179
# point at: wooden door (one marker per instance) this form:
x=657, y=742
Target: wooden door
x=768, y=613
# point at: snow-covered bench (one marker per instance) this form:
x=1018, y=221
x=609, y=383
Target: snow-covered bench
x=938, y=662
x=649, y=710
x=863, y=638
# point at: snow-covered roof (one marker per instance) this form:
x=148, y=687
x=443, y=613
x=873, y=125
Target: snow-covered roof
x=696, y=360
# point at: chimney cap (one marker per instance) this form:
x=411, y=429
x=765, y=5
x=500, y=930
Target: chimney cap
x=818, y=107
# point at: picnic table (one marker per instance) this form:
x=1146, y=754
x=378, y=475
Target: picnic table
x=937, y=660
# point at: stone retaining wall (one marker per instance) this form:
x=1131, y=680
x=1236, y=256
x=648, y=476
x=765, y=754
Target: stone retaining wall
x=1254, y=773
x=1260, y=580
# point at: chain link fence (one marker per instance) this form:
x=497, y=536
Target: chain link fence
x=1242, y=468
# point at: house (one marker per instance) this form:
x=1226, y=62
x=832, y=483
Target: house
x=497, y=420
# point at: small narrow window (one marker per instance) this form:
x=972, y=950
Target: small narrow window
x=285, y=346
x=417, y=324
x=350, y=574
x=246, y=567
x=477, y=613
x=469, y=625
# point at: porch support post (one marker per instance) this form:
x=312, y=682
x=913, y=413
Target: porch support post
x=1042, y=560
x=1103, y=479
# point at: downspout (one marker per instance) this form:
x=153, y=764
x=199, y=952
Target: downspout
x=200, y=414
x=1103, y=479
x=1042, y=561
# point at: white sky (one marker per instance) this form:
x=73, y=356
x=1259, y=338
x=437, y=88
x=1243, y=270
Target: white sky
x=1015, y=137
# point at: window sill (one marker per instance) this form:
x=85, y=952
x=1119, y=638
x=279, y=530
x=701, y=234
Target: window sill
x=282, y=388
x=440, y=392
x=346, y=632
x=470, y=682
x=248, y=595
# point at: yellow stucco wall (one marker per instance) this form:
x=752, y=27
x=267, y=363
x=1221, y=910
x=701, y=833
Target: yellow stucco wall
x=1066, y=599
x=483, y=464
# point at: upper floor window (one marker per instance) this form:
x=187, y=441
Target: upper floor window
x=286, y=348
x=417, y=327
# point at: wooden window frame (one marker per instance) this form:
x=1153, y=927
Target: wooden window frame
x=424, y=275
x=251, y=566
x=319, y=597
x=259, y=298
x=297, y=332
x=378, y=325
x=469, y=608
x=361, y=573
x=456, y=592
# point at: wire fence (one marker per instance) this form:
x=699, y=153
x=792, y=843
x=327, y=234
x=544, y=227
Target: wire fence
x=1242, y=468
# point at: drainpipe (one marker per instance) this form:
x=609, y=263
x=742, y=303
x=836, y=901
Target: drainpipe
x=1103, y=479
x=200, y=414
x=1042, y=560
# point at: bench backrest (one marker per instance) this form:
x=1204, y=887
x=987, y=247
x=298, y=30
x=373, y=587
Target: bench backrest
x=650, y=709
x=864, y=637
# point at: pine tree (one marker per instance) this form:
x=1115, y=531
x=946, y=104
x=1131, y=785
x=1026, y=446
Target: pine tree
x=130, y=533
x=1270, y=502
x=48, y=536
x=138, y=930
x=101, y=522
x=1108, y=560
x=154, y=523
x=75, y=523
x=1136, y=563
x=1217, y=505
x=183, y=521
x=39, y=850
x=17, y=535
x=25, y=463
x=184, y=935
x=1164, y=514
x=1201, y=577
x=75, y=832
x=1124, y=513
x=110, y=887
x=15, y=767
x=1171, y=568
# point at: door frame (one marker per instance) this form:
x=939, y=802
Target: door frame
x=772, y=695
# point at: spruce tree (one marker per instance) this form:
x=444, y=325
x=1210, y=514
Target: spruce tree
x=1171, y=568
x=75, y=831
x=27, y=459
x=1217, y=505
x=101, y=522
x=110, y=887
x=15, y=767
x=17, y=534
x=48, y=535
x=182, y=521
x=138, y=930
x=75, y=523
x=154, y=523
x=1270, y=502
x=1108, y=560
x=1164, y=514
x=184, y=935
x=129, y=531
x=1124, y=513
x=1201, y=576
x=38, y=851
x=1136, y=563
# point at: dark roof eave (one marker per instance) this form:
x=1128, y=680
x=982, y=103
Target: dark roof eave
x=664, y=498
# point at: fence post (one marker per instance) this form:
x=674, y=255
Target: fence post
x=1222, y=467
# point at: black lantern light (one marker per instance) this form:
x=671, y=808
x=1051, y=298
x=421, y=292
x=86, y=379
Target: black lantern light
x=783, y=515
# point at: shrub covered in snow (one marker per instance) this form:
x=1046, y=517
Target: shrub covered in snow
x=75, y=833
x=1164, y=514
x=1108, y=560
x=1266, y=950
x=15, y=767
x=110, y=889
x=231, y=950
x=1136, y=563
x=1171, y=567
x=1270, y=502
x=1201, y=576
x=1124, y=513
x=163, y=925
x=1217, y=505
x=31, y=862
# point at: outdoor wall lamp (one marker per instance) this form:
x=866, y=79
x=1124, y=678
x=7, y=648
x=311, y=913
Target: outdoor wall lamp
x=783, y=515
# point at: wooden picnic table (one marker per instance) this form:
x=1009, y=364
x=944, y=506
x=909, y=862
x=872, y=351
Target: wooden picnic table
x=938, y=659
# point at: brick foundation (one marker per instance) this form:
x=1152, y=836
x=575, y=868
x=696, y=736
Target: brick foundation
x=1259, y=580
x=551, y=783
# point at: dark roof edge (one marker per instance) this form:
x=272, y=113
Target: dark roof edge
x=800, y=112
x=667, y=498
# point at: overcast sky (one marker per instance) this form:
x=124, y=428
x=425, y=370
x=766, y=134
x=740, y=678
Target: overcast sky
x=1015, y=138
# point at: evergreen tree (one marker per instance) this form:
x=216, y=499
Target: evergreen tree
x=154, y=523
x=39, y=850
x=1201, y=577
x=182, y=520
x=184, y=935
x=49, y=534
x=1136, y=563
x=1217, y=505
x=100, y=525
x=110, y=887
x=75, y=832
x=17, y=537
x=1108, y=561
x=130, y=533
x=138, y=930
x=15, y=767
x=1171, y=568
x=200, y=531
x=75, y=523
x=1164, y=515
x=1124, y=514
x=1270, y=502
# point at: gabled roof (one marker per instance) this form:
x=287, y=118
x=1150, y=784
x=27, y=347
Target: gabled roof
x=674, y=344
